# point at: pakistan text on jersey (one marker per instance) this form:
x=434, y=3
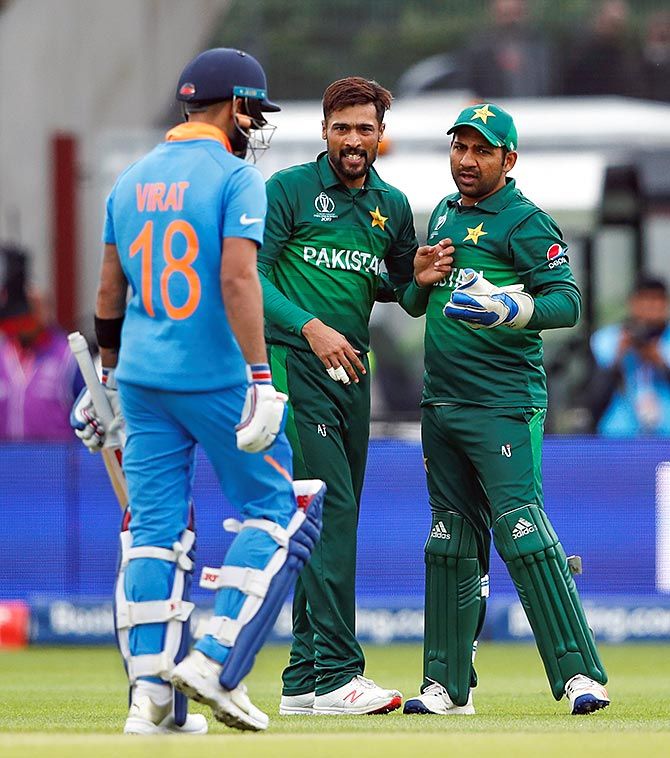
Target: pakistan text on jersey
x=157, y=196
x=346, y=260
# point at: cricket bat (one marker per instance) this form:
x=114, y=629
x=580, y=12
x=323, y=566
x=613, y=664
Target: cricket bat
x=112, y=456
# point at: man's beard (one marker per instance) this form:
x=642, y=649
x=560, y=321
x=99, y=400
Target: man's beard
x=337, y=163
x=239, y=142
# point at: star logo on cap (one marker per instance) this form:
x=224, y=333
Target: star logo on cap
x=378, y=219
x=476, y=233
x=483, y=113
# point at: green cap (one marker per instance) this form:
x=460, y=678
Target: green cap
x=492, y=121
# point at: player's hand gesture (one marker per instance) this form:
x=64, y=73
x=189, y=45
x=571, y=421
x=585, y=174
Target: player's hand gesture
x=334, y=351
x=433, y=262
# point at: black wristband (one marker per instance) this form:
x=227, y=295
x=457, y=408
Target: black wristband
x=108, y=332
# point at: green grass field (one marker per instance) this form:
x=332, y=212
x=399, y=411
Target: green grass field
x=71, y=701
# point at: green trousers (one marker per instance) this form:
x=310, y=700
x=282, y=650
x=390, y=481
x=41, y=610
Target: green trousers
x=328, y=428
x=484, y=475
x=482, y=462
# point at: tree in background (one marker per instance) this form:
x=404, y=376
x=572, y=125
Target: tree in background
x=305, y=44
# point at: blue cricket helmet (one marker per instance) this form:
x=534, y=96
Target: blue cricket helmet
x=221, y=74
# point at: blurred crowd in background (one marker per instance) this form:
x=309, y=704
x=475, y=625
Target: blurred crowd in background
x=493, y=48
x=489, y=48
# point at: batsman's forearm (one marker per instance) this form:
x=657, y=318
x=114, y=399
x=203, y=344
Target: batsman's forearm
x=243, y=301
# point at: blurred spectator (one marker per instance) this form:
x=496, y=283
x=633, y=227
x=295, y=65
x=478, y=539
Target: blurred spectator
x=39, y=378
x=510, y=57
x=630, y=390
x=656, y=58
x=605, y=60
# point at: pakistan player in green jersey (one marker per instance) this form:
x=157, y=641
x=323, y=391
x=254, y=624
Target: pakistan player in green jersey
x=484, y=404
x=331, y=226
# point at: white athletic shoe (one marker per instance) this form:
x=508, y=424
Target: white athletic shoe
x=197, y=676
x=297, y=705
x=435, y=699
x=360, y=696
x=145, y=717
x=585, y=695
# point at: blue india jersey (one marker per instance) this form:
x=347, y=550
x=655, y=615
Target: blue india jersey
x=168, y=214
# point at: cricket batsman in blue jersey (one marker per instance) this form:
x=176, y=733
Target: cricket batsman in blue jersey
x=185, y=363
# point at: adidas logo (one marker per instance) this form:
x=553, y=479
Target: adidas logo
x=522, y=528
x=440, y=532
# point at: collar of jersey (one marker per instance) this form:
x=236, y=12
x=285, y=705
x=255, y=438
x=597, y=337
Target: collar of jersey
x=330, y=179
x=493, y=203
x=197, y=130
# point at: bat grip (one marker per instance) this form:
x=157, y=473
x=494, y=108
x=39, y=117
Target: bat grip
x=79, y=348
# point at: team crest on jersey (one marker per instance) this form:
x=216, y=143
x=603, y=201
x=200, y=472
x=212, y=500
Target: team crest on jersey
x=378, y=219
x=556, y=255
x=325, y=207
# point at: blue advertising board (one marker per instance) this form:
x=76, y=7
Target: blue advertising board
x=605, y=498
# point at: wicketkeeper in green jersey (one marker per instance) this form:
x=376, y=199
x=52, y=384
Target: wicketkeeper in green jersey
x=484, y=403
x=332, y=227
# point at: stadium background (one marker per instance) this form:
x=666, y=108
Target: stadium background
x=71, y=116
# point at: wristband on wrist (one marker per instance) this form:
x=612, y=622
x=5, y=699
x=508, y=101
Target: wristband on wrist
x=259, y=373
x=108, y=332
x=108, y=378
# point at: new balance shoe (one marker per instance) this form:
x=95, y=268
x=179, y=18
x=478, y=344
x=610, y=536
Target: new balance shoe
x=297, y=705
x=585, y=695
x=145, y=717
x=435, y=699
x=197, y=676
x=359, y=697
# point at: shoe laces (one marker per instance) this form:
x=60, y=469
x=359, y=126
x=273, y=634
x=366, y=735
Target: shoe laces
x=434, y=688
x=365, y=682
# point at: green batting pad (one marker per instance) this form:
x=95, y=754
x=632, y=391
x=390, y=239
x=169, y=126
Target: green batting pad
x=537, y=563
x=453, y=604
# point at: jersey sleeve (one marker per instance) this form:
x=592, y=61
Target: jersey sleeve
x=245, y=205
x=279, y=310
x=108, y=234
x=400, y=267
x=541, y=261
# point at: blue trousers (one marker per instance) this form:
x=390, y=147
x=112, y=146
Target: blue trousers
x=162, y=429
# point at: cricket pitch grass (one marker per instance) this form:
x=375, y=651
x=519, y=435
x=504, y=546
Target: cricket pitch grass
x=71, y=702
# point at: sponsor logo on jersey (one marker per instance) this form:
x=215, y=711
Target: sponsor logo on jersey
x=522, y=528
x=345, y=260
x=322, y=430
x=506, y=450
x=325, y=206
x=556, y=255
x=246, y=220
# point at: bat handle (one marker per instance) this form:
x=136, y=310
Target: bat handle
x=79, y=348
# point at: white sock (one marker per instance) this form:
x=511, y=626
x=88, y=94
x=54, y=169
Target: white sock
x=160, y=694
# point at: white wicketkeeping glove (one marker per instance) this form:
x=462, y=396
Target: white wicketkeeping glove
x=87, y=424
x=482, y=304
x=263, y=411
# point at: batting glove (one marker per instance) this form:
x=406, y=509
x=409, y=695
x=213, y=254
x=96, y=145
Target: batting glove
x=87, y=424
x=263, y=411
x=481, y=304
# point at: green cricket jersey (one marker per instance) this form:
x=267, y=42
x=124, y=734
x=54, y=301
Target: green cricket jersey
x=324, y=250
x=508, y=240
